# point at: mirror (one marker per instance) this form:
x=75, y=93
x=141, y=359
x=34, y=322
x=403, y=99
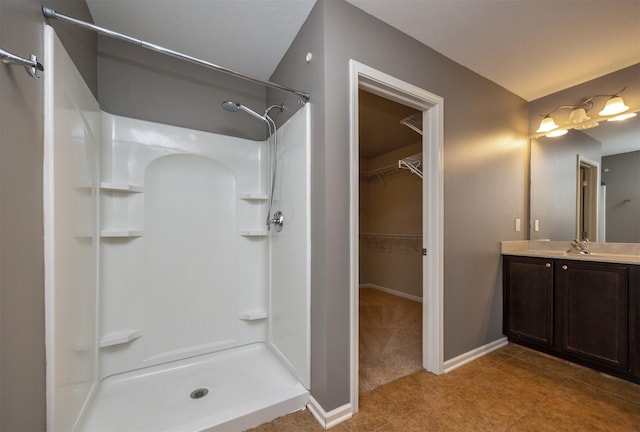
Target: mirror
x=587, y=184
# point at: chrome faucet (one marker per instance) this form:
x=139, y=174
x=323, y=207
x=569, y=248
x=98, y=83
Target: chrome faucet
x=579, y=247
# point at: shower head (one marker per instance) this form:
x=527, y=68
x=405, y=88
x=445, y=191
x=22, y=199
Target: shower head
x=230, y=106
x=235, y=107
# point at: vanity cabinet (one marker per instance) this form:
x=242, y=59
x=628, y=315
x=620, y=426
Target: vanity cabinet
x=593, y=312
x=528, y=301
x=584, y=311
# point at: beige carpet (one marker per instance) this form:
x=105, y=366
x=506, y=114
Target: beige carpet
x=390, y=338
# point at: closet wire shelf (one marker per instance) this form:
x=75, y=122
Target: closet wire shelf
x=411, y=163
x=413, y=122
x=394, y=242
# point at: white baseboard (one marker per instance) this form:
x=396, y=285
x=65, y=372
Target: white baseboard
x=465, y=358
x=329, y=419
x=391, y=291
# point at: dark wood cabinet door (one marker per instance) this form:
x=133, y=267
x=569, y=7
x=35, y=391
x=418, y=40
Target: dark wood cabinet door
x=594, y=312
x=528, y=300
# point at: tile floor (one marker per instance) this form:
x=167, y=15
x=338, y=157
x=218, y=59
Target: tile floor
x=512, y=389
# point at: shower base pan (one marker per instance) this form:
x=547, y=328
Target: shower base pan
x=231, y=390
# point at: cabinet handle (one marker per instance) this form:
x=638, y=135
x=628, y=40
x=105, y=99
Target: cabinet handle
x=564, y=267
x=547, y=265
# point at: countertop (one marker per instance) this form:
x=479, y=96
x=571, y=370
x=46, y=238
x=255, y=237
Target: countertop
x=623, y=253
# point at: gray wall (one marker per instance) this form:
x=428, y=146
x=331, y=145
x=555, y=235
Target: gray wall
x=607, y=84
x=22, y=390
x=623, y=183
x=393, y=205
x=553, y=183
x=81, y=44
x=294, y=72
x=142, y=84
x=22, y=358
x=485, y=164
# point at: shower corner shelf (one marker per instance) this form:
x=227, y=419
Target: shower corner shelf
x=254, y=233
x=121, y=233
x=119, y=338
x=116, y=187
x=254, y=197
x=253, y=315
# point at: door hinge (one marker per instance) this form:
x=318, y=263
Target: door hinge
x=424, y=252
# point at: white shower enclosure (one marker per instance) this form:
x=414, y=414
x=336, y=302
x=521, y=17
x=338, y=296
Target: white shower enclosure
x=169, y=305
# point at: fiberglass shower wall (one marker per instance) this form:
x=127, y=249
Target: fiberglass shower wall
x=186, y=259
x=183, y=251
x=157, y=248
x=71, y=182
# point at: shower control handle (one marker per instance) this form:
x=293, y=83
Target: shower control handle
x=277, y=221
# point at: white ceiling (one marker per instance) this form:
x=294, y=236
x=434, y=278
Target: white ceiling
x=531, y=47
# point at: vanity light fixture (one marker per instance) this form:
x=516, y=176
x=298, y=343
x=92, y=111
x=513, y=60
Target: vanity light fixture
x=578, y=115
x=622, y=117
x=587, y=125
x=547, y=124
x=579, y=119
x=557, y=133
x=615, y=105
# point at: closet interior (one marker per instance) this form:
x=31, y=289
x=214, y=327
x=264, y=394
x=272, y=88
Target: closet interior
x=390, y=249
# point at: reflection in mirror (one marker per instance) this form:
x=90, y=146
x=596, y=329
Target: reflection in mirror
x=556, y=184
x=588, y=197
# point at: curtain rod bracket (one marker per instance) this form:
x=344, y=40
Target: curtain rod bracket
x=32, y=66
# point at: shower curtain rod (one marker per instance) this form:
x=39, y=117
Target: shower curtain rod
x=52, y=14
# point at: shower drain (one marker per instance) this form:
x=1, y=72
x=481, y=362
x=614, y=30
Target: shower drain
x=199, y=393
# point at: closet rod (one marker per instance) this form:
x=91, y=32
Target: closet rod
x=52, y=14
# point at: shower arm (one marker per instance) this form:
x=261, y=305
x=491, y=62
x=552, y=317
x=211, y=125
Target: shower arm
x=52, y=14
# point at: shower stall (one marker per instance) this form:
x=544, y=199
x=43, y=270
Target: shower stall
x=170, y=304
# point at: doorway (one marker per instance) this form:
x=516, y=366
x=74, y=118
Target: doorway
x=431, y=108
x=390, y=240
x=587, y=191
